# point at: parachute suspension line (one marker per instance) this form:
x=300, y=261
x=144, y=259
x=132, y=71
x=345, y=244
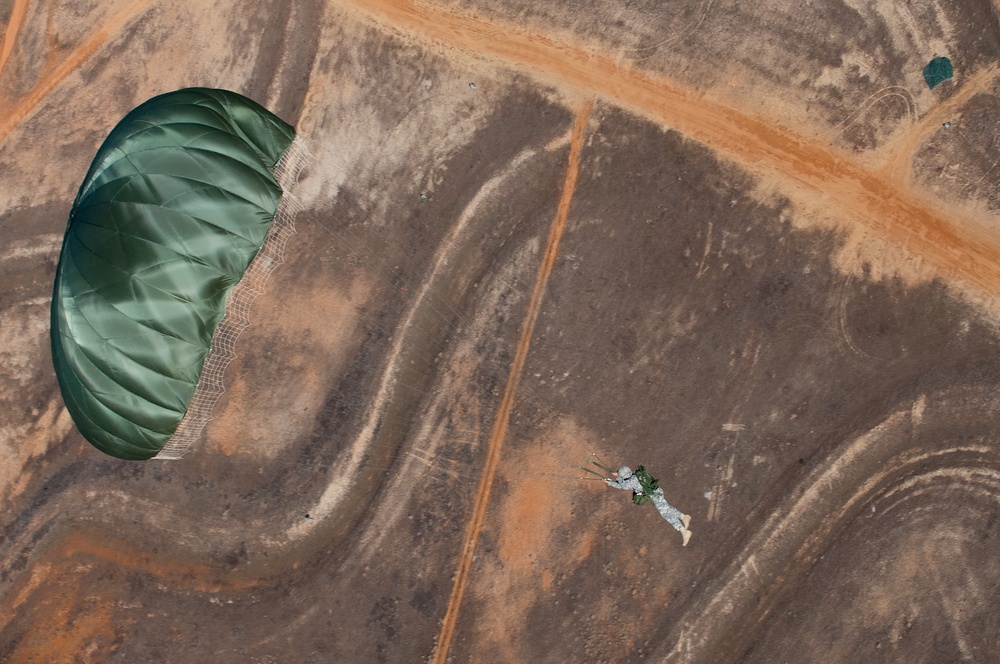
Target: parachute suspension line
x=241, y=296
x=597, y=461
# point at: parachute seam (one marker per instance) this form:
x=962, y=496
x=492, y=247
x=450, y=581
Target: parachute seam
x=226, y=103
x=95, y=394
x=91, y=190
x=97, y=291
x=87, y=354
x=172, y=296
x=210, y=104
x=185, y=178
x=203, y=220
x=81, y=412
x=260, y=174
x=84, y=351
x=223, y=127
x=224, y=131
x=176, y=254
x=203, y=100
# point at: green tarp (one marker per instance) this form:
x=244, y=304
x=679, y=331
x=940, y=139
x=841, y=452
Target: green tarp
x=938, y=70
x=175, y=206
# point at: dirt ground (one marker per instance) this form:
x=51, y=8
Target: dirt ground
x=740, y=243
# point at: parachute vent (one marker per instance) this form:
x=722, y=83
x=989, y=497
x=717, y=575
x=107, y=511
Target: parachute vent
x=211, y=385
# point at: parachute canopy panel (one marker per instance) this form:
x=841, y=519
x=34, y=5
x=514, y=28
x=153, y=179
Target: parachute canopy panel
x=175, y=206
x=938, y=70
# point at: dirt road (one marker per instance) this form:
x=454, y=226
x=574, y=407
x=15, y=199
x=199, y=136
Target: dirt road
x=949, y=239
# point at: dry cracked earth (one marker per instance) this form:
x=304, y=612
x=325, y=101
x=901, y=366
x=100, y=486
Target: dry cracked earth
x=743, y=244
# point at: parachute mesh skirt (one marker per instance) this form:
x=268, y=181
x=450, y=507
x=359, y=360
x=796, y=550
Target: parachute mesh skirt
x=211, y=385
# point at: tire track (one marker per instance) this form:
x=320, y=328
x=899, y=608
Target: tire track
x=29, y=102
x=510, y=391
x=949, y=239
x=877, y=97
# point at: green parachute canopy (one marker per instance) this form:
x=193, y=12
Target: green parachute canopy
x=176, y=205
x=938, y=70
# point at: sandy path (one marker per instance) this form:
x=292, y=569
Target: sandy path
x=510, y=391
x=15, y=114
x=10, y=33
x=946, y=238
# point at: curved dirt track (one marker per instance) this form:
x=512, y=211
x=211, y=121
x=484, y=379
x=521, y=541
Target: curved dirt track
x=675, y=288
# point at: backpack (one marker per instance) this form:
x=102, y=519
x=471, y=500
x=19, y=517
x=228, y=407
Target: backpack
x=649, y=485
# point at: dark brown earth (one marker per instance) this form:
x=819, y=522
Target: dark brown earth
x=733, y=242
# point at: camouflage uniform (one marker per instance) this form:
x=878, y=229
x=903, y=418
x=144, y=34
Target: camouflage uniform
x=629, y=480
